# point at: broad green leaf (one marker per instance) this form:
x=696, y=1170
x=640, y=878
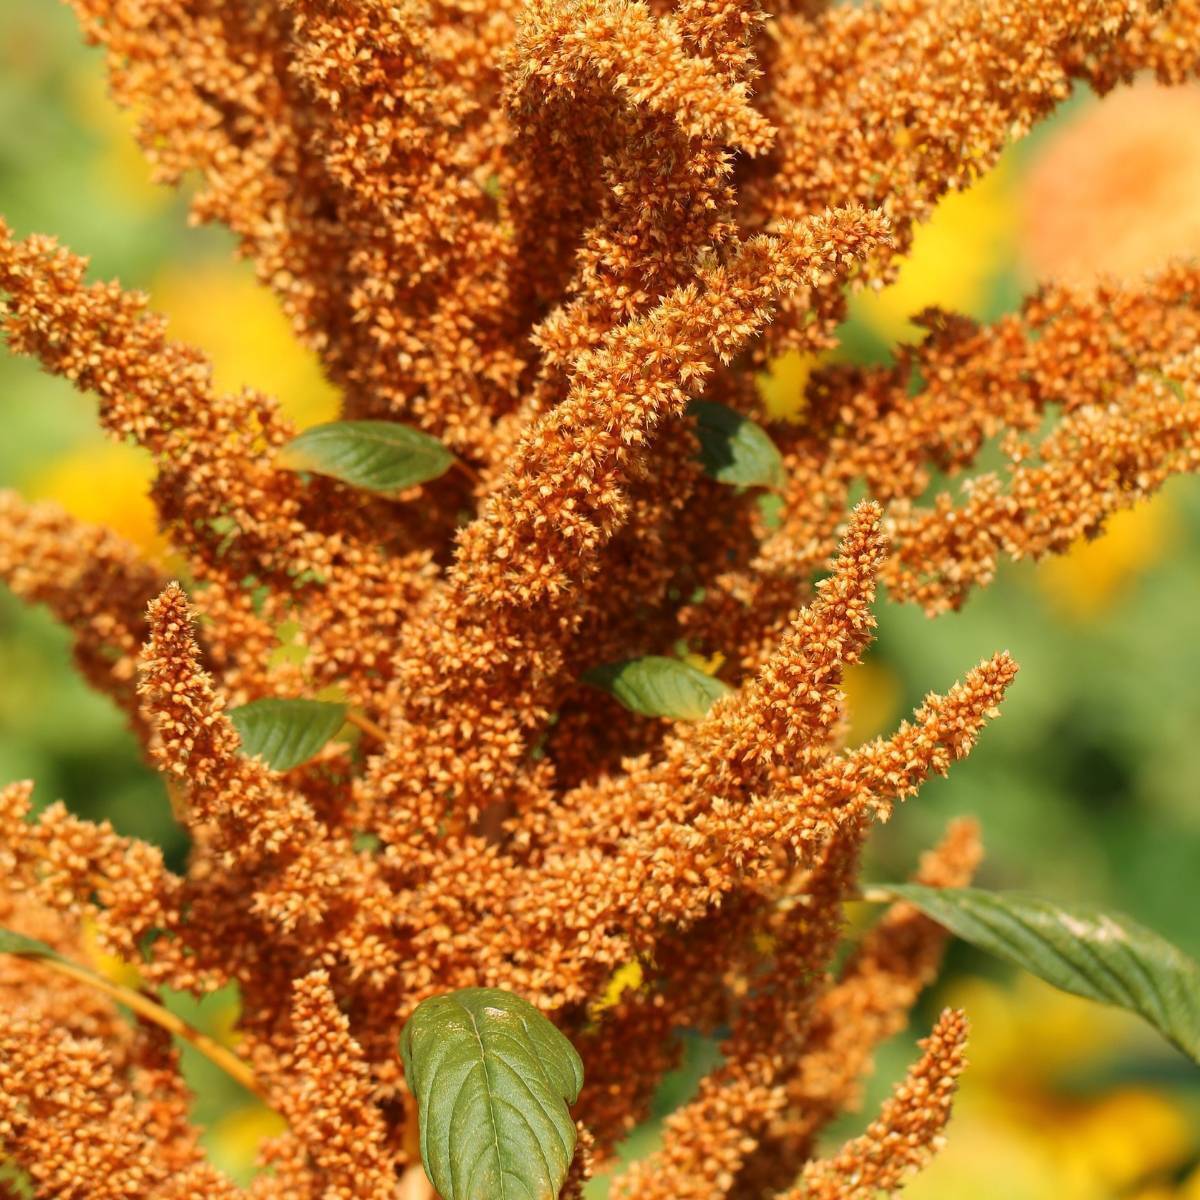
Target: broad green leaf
x=380, y=456
x=659, y=687
x=286, y=733
x=26, y=947
x=1077, y=948
x=492, y=1079
x=733, y=449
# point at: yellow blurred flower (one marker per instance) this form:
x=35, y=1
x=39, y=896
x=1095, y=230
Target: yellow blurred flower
x=955, y=257
x=710, y=665
x=872, y=700
x=1090, y=576
x=781, y=386
x=221, y=308
x=234, y=1141
x=1115, y=191
x=106, y=483
x=1043, y=1141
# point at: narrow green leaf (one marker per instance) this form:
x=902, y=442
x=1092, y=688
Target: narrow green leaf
x=658, y=687
x=380, y=456
x=733, y=449
x=286, y=733
x=1076, y=947
x=26, y=947
x=492, y=1079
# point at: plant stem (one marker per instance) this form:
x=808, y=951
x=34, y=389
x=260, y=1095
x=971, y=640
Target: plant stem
x=154, y=1012
x=367, y=726
x=469, y=471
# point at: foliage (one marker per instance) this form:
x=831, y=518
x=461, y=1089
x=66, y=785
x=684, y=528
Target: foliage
x=492, y=1079
x=655, y=686
x=1083, y=950
x=286, y=733
x=382, y=456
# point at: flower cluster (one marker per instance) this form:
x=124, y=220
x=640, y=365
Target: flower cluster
x=539, y=231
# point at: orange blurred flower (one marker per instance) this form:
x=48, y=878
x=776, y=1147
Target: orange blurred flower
x=1116, y=191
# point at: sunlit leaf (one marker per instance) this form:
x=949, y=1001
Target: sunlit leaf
x=1077, y=948
x=492, y=1078
x=659, y=687
x=733, y=449
x=380, y=456
x=286, y=733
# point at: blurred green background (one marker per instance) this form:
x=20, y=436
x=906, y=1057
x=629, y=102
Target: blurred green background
x=1087, y=787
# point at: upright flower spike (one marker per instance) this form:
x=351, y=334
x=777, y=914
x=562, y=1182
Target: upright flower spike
x=907, y=1132
x=591, y=86
x=869, y=1002
x=255, y=820
x=791, y=709
x=489, y=647
x=439, y=340
x=326, y=1098
x=707, y=1141
x=685, y=832
x=337, y=169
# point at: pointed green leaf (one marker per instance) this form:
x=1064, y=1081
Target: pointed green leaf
x=659, y=687
x=1077, y=948
x=380, y=456
x=286, y=733
x=733, y=449
x=26, y=947
x=492, y=1079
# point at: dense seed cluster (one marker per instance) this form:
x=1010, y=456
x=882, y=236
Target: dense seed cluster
x=539, y=231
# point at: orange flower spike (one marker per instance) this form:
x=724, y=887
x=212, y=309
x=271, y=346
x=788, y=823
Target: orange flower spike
x=708, y=1141
x=326, y=1097
x=870, y=1002
x=508, y=605
x=255, y=819
x=874, y=82
x=907, y=1133
x=92, y=1138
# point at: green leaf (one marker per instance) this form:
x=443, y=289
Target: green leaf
x=1077, y=948
x=733, y=449
x=659, y=687
x=380, y=456
x=26, y=947
x=286, y=733
x=492, y=1079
